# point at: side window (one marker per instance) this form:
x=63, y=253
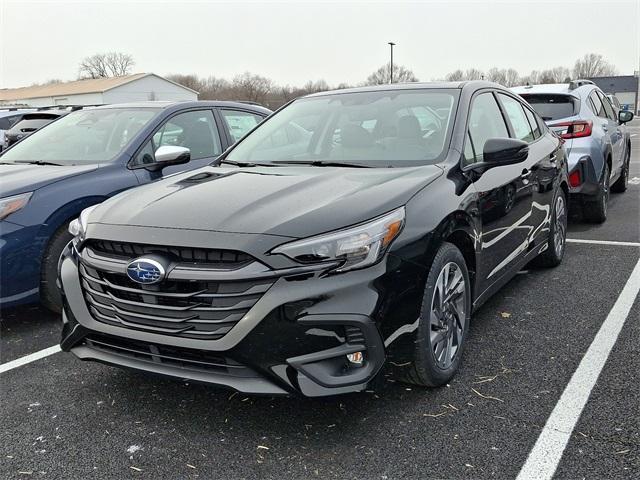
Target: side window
x=607, y=106
x=469, y=154
x=517, y=117
x=598, y=108
x=239, y=123
x=194, y=130
x=485, y=122
x=533, y=121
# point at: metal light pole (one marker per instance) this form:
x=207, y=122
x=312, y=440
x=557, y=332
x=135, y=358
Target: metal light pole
x=391, y=44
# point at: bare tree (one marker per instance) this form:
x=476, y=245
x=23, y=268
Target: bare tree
x=102, y=65
x=252, y=87
x=190, y=81
x=497, y=75
x=511, y=77
x=554, y=75
x=592, y=65
x=383, y=75
x=455, y=76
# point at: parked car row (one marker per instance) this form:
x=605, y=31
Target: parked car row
x=350, y=230
x=596, y=140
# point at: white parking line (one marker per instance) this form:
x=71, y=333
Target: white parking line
x=604, y=242
x=547, y=452
x=18, y=362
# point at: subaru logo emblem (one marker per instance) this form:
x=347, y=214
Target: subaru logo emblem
x=145, y=270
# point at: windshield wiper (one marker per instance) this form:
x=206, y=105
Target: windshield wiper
x=246, y=164
x=320, y=163
x=37, y=162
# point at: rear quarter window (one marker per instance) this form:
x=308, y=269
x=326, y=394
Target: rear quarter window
x=553, y=106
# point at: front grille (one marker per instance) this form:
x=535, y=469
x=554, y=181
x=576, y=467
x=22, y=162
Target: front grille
x=185, y=358
x=230, y=259
x=189, y=309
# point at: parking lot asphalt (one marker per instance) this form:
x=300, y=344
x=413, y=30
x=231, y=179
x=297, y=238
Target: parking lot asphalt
x=62, y=418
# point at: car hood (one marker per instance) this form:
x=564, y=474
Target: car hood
x=19, y=178
x=285, y=201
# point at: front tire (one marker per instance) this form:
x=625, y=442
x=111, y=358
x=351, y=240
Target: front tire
x=50, y=296
x=444, y=320
x=595, y=211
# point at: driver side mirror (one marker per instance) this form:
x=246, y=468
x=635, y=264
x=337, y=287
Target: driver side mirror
x=624, y=116
x=501, y=151
x=504, y=151
x=169, y=155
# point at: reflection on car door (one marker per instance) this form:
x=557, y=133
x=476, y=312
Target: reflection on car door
x=505, y=194
x=539, y=170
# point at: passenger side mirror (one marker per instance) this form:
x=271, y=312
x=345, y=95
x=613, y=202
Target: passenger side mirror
x=169, y=155
x=624, y=116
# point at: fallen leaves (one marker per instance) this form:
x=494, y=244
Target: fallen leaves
x=505, y=314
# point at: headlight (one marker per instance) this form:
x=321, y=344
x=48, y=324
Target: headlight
x=355, y=247
x=78, y=227
x=8, y=205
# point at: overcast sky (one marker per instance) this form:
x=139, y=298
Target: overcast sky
x=293, y=42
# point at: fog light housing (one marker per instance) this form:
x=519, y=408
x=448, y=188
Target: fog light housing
x=356, y=358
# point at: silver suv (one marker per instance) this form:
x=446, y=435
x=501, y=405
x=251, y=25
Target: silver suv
x=597, y=144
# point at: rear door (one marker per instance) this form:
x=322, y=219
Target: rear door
x=237, y=123
x=616, y=134
x=539, y=172
x=607, y=127
x=505, y=195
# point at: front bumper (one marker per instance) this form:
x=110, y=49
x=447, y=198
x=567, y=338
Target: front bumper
x=20, y=255
x=294, y=339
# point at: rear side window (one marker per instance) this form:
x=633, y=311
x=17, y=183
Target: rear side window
x=533, y=121
x=596, y=105
x=239, y=123
x=515, y=112
x=485, y=122
x=607, y=106
x=553, y=106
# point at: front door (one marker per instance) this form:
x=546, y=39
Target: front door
x=505, y=194
x=195, y=130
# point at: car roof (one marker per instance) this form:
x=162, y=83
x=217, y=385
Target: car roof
x=553, y=88
x=410, y=86
x=165, y=105
x=12, y=112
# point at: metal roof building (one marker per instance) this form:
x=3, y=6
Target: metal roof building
x=97, y=91
x=625, y=87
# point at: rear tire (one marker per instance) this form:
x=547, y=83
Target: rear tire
x=444, y=320
x=595, y=211
x=553, y=255
x=50, y=296
x=621, y=184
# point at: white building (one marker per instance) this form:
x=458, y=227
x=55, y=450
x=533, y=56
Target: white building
x=98, y=91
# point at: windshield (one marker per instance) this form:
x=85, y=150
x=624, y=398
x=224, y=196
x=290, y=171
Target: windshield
x=390, y=128
x=553, y=107
x=82, y=137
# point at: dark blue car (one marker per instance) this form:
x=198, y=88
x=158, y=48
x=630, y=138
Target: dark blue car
x=47, y=179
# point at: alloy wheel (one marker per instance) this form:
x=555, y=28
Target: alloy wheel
x=448, y=315
x=560, y=226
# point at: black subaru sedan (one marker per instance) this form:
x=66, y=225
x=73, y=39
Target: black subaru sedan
x=351, y=230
